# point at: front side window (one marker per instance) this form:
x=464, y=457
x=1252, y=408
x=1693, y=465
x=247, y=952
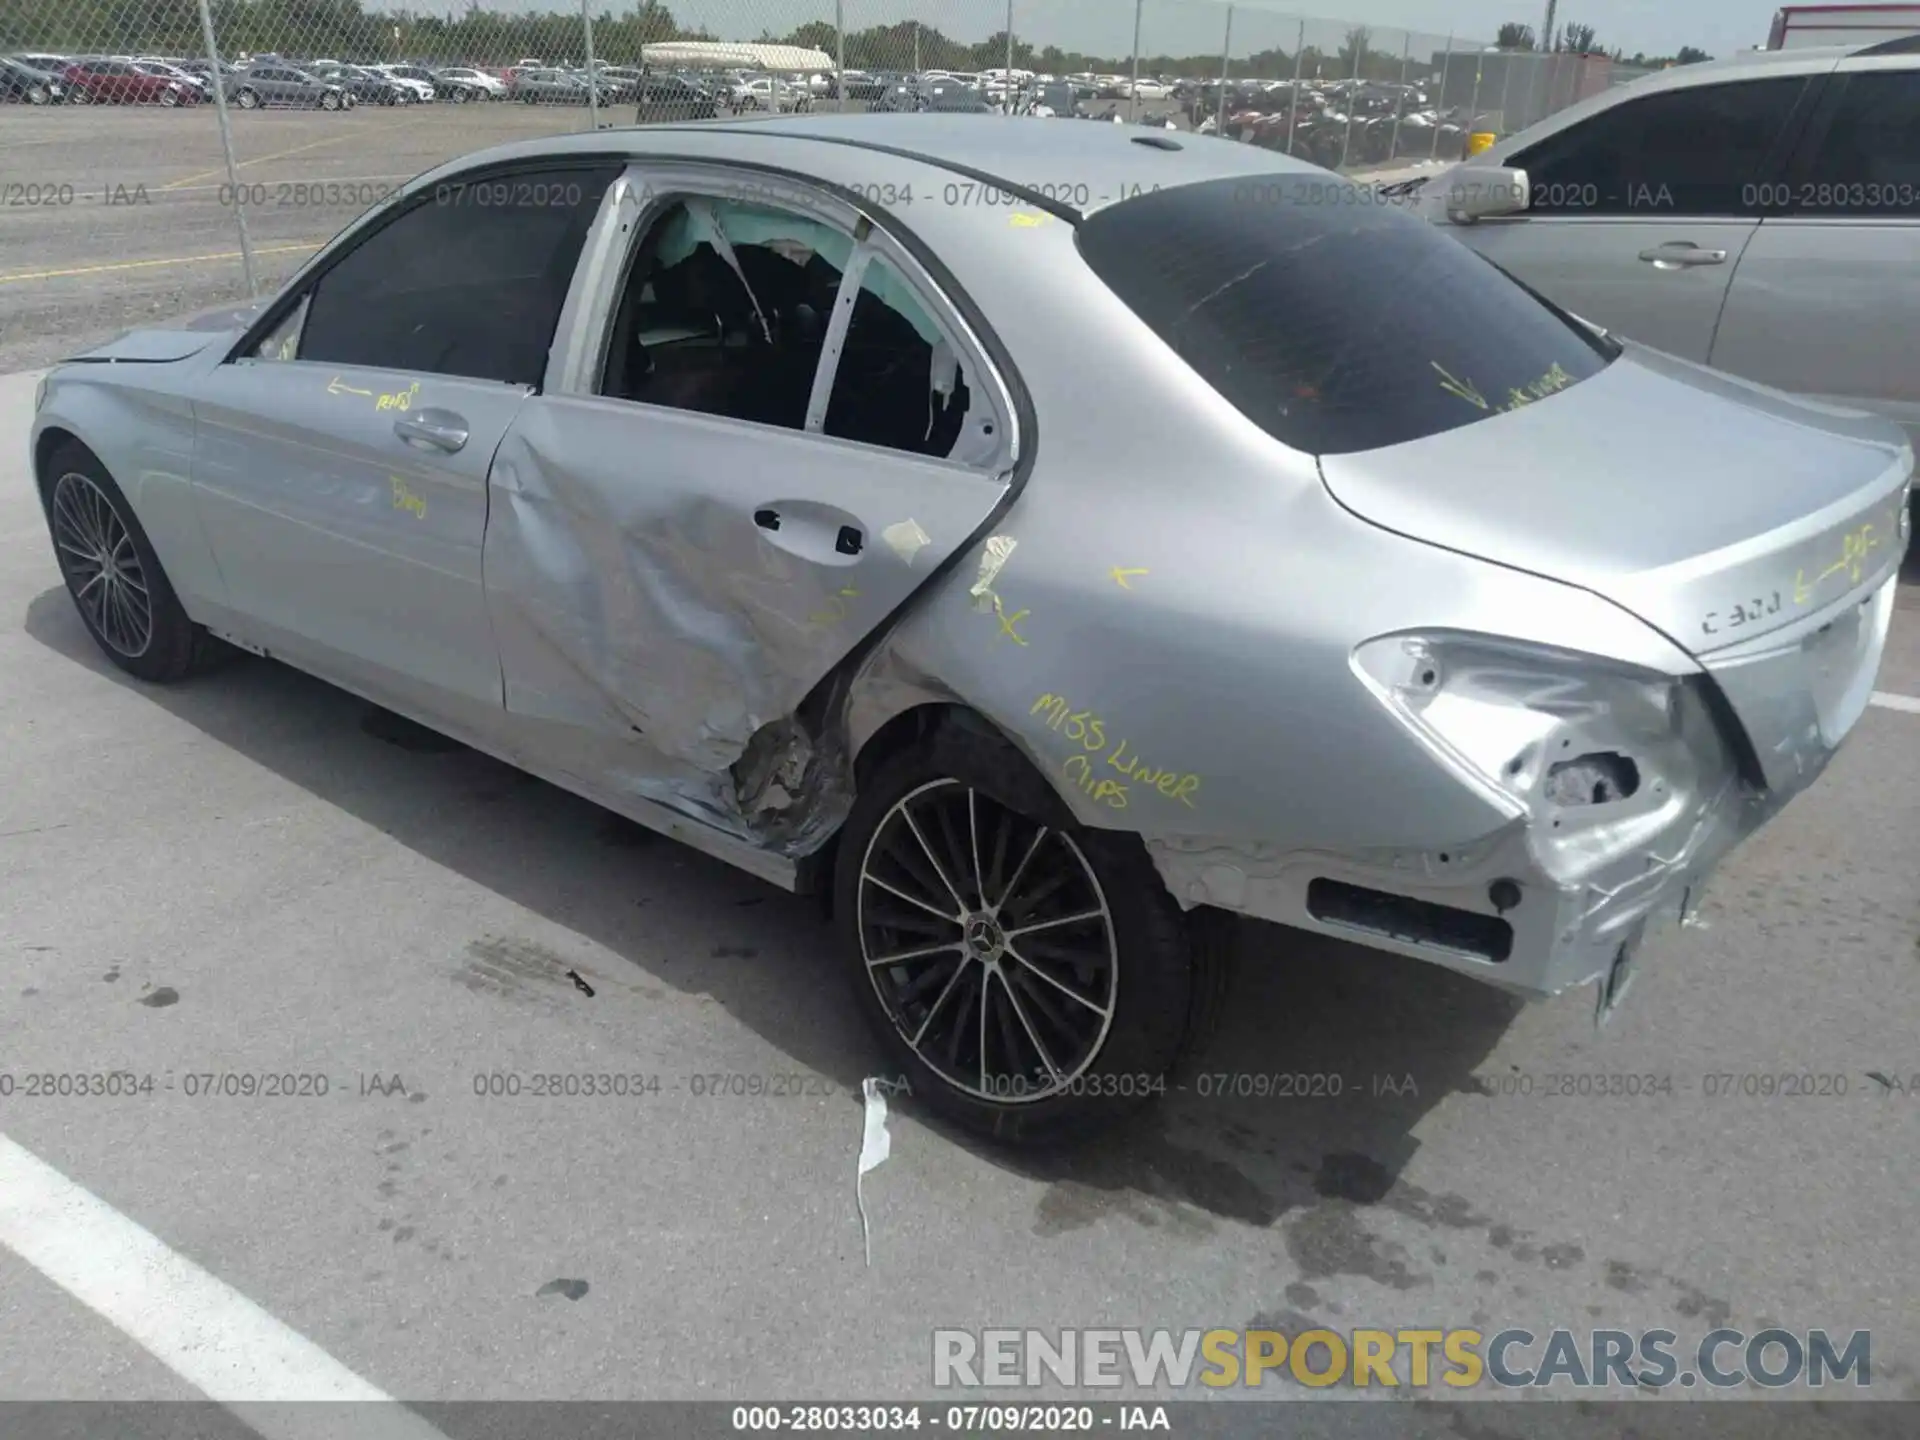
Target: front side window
x=1334, y=324
x=1867, y=162
x=1694, y=152
x=469, y=281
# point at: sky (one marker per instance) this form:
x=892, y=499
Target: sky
x=1655, y=27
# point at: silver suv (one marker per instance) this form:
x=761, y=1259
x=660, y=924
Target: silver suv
x=1760, y=214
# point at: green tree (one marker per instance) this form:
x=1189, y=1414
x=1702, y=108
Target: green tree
x=1514, y=36
x=1578, y=40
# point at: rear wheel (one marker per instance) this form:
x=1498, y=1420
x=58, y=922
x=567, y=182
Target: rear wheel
x=169, y=98
x=38, y=95
x=247, y=100
x=123, y=596
x=81, y=95
x=1031, y=976
x=329, y=101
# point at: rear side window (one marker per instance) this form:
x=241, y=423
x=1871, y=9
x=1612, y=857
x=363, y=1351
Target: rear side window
x=1867, y=162
x=469, y=282
x=1331, y=319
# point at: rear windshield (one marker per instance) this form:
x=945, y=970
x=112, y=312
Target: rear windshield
x=1333, y=319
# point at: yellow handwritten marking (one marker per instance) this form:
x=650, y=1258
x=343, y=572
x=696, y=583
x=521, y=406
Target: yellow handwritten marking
x=1855, y=546
x=334, y=387
x=1463, y=388
x=405, y=499
x=1020, y=220
x=1120, y=576
x=1089, y=732
x=399, y=400
x=1555, y=379
x=1009, y=623
x=22, y=275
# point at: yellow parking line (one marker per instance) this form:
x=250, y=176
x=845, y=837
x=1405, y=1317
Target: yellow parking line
x=263, y=159
x=151, y=264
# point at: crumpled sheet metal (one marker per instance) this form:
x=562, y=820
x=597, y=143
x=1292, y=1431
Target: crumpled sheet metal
x=595, y=590
x=610, y=589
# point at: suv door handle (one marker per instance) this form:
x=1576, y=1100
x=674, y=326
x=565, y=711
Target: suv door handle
x=767, y=519
x=1682, y=255
x=432, y=430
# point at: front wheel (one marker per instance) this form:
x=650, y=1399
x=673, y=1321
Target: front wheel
x=169, y=98
x=247, y=100
x=123, y=596
x=329, y=101
x=39, y=95
x=1031, y=976
x=81, y=96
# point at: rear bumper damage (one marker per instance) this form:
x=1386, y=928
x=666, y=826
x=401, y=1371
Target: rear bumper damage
x=1491, y=911
x=1559, y=898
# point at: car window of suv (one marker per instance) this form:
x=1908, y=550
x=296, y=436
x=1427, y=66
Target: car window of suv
x=1692, y=151
x=1867, y=160
x=469, y=281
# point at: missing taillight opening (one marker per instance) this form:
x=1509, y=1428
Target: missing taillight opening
x=1596, y=779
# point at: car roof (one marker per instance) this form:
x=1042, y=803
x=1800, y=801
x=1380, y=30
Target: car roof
x=1009, y=152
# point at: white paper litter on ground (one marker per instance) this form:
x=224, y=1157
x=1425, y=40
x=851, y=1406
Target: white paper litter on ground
x=875, y=1146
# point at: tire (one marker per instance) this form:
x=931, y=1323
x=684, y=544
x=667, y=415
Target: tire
x=389, y=99
x=169, y=98
x=247, y=100
x=460, y=97
x=38, y=95
x=1112, y=1003
x=89, y=516
x=329, y=101
x=81, y=96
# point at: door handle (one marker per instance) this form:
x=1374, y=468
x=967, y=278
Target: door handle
x=767, y=519
x=432, y=430
x=849, y=541
x=1682, y=255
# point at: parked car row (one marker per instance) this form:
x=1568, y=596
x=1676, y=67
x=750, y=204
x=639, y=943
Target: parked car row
x=330, y=83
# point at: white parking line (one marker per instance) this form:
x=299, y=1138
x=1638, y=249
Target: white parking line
x=207, y=1333
x=1896, y=702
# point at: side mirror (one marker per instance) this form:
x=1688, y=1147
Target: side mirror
x=1486, y=192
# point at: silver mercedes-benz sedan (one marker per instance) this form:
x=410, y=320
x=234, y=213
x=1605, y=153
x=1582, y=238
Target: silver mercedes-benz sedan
x=1044, y=541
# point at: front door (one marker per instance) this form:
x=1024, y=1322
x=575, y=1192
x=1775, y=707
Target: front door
x=1639, y=215
x=341, y=467
x=347, y=505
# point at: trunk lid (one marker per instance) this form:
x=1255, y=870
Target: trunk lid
x=1759, y=532
x=1715, y=509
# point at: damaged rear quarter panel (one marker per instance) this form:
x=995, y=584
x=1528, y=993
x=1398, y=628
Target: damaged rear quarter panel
x=1170, y=609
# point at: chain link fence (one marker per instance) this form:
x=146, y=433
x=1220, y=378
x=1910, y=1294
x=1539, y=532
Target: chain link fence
x=161, y=154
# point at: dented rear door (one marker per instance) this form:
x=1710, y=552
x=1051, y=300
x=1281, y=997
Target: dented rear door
x=681, y=579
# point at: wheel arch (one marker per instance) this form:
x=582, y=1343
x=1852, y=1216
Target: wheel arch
x=44, y=445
